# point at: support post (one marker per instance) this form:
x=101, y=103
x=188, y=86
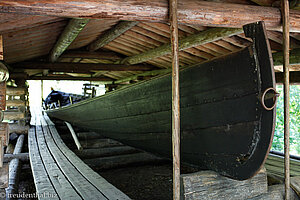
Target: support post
x=1, y=48
x=286, y=46
x=79, y=147
x=175, y=99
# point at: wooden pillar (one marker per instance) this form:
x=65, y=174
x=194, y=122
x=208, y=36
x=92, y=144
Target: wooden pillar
x=2, y=95
x=175, y=100
x=1, y=48
x=286, y=46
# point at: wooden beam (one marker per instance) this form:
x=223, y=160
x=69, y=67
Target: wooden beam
x=294, y=77
x=200, y=185
x=111, y=34
x=1, y=47
x=294, y=57
x=91, y=55
x=81, y=67
x=2, y=96
x=79, y=147
x=103, y=80
x=4, y=74
x=190, y=11
x=69, y=34
x=203, y=37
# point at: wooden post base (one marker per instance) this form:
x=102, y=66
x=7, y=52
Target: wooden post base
x=211, y=185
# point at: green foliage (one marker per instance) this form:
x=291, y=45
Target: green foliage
x=278, y=143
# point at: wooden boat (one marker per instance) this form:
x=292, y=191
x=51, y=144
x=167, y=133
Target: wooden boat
x=227, y=111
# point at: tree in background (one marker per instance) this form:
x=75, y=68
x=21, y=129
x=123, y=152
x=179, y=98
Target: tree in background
x=278, y=143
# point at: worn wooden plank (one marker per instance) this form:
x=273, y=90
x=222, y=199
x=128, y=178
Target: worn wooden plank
x=190, y=11
x=69, y=34
x=276, y=192
x=61, y=184
x=73, y=175
x=41, y=179
x=211, y=185
x=107, y=189
x=17, y=128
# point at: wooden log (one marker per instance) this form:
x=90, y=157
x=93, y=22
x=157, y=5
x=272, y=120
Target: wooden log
x=69, y=34
x=15, y=103
x=24, y=157
x=203, y=37
x=14, y=169
x=91, y=55
x=190, y=12
x=102, y=80
x=16, y=128
x=79, y=147
x=99, y=143
x=1, y=152
x=2, y=96
x=16, y=91
x=211, y=185
x=4, y=74
x=4, y=133
x=122, y=161
x=276, y=192
x=1, y=47
x=82, y=67
x=4, y=177
x=105, y=152
x=13, y=115
x=111, y=34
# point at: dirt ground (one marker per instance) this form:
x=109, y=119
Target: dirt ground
x=148, y=182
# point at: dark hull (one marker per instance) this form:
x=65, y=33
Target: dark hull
x=223, y=124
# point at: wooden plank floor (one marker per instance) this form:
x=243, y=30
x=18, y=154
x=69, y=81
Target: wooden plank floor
x=57, y=171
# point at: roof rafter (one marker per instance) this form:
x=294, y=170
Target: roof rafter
x=111, y=34
x=69, y=34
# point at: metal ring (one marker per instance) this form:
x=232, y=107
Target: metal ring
x=276, y=94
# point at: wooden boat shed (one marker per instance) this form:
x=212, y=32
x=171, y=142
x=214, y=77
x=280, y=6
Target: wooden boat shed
x=123, y=42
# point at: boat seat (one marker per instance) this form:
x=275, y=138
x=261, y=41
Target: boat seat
x=58, y=173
